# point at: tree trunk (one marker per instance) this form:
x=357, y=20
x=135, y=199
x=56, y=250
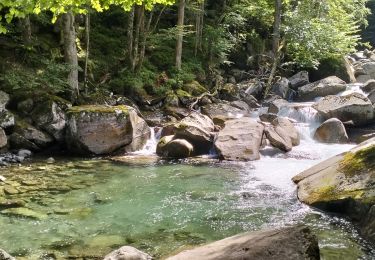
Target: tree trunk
x=145, y=34
x=26, y=30
x=180, y=33
x=130, y=36
x=139, y=25
x=70, y=53
x=275, y=44
x=87, y=38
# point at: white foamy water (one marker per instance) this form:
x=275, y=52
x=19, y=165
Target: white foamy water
x=150, y=146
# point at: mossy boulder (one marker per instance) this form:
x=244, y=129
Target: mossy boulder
x=184, y=97
x=98, y=129
x=194, y=88
x=343, y=184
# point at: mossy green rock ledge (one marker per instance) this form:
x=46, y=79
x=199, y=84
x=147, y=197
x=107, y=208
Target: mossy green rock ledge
x=99, y=129
x=344, y=184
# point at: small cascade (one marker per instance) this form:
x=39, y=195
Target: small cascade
x=150, y=146
x=353, y=88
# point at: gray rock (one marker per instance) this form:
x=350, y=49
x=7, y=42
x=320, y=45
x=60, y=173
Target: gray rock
x=196, y=129
x=240, y=140
x=50, y=116
x=5, y=256
x=242, y=105
x=331, y=131
x=162, y=144
x=363, y=78
x=369, y=86
x=371, y=97
x=222, y=110
x=276, y=105
x=17, y=141
x=24, y=153
x=176, y=148
x=354, y=107
x=6, y=119
x=127, y=253
x=4, y=99
x=292, y=243
x=29, y=132
x=285, y=128
x=99, y=129
x=369, y=68
x=328, y=86
x=281, y=88
x=268, y=117
x=3, y=139
x=279, y=139
x=298, y=80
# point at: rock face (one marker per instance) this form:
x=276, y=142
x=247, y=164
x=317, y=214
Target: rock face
x=343, y=184
x=196, y=129
x=331, y=131
x=369, y=86
x=3, y=138
x=282, y=134
x=298, y=80
x=5, y=256
x=49, y=115
x=240, y=140
x=127, y=253
x=102, y=129
x=328, y=86
x=354, y=107
x=292, y=243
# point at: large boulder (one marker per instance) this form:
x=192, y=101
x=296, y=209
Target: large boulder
x=240, y=139
x=331, y=131
x=281, y=89
x=354, y=107
x=104, y=129
x=3, y=139
x=170, y=147
x=292, y=243
x=32, y=134
x=286, y=129
x=17, y=141
x=298, y=80
x=223, y=110
x=371, y=97
x=327, y=86
x=343, y=184
x=276, y=105
x=4, y=99
x=369, y=69
x=49, y=114
x=196, y=129
x=127, y=253
x=279, y=139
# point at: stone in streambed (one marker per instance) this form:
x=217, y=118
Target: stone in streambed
x=127, y=253
x=25, y=213
x=292, y=243
x=331, y=131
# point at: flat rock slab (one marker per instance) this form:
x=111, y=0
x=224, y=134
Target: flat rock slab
x=292, y=243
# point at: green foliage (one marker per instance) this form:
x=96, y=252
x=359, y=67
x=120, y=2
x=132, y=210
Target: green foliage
x=49, y=78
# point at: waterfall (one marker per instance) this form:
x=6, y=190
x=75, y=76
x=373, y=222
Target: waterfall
x=150, y=146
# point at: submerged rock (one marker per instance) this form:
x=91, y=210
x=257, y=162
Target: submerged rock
x=24, y=212
x=104, y=129
x=354, y=107
x=331, y=131
x=343, y=184
x=127, y=253
x=328, y=86
x=292, y=243
x=5, y=256
x=240, y=140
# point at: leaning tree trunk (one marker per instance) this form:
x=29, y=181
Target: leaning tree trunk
x=180, y=33
x=70, y=53
x=275, y=44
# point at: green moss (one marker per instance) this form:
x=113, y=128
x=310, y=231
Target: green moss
x=182, y=93
x=97, y=109
x=194, y=88
x=358, y=162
